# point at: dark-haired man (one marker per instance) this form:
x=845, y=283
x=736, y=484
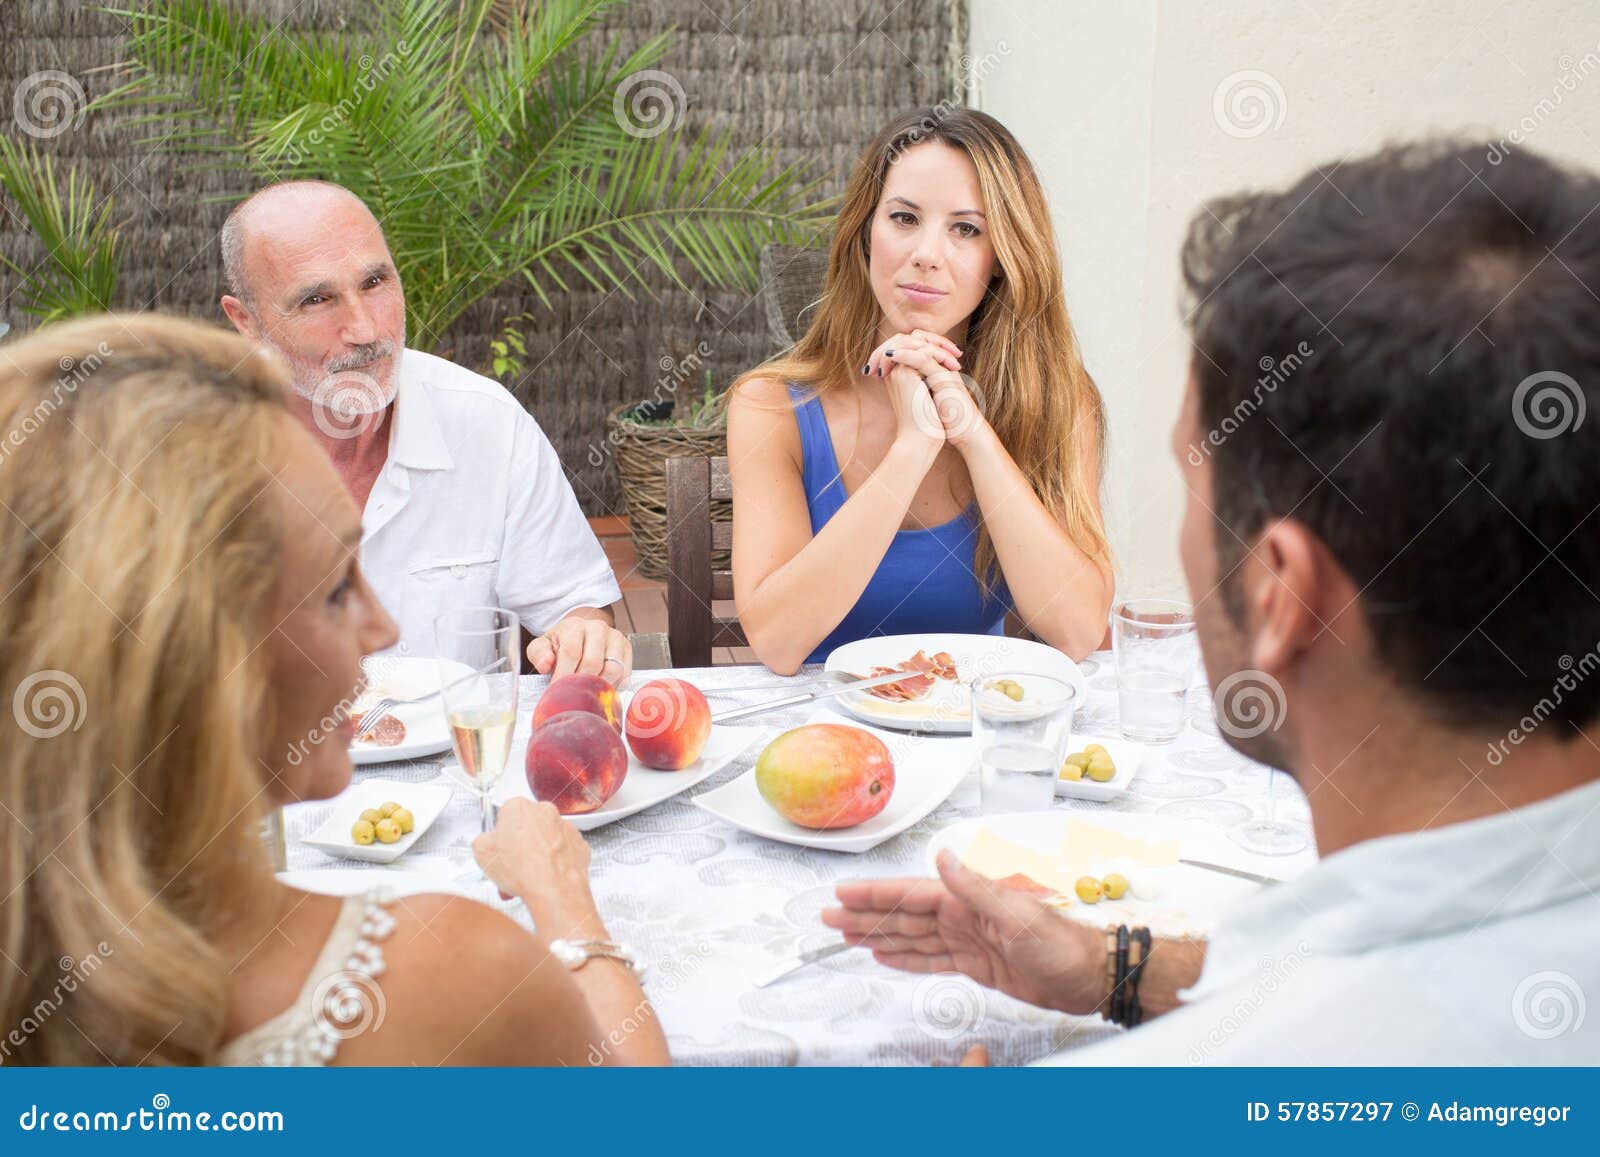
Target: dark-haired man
x=1400, y=536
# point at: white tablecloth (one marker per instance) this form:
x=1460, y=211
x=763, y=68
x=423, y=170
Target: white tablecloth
x=710, y=907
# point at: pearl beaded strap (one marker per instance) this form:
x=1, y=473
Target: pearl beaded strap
x=346, y=1003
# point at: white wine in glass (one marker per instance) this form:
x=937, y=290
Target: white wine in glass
x=479, y=672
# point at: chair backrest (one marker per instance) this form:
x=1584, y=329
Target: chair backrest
x=693, y=627
x=791, y=287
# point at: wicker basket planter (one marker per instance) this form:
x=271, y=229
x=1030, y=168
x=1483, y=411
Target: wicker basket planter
x=641, y=452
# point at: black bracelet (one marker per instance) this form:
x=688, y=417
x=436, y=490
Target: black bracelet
x=1135, y=1010
x=1119, y=982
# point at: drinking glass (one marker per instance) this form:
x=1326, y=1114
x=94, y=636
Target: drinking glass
x=478, y=659
x=1271, y=836
x=1022, y=723
x=1154, y=642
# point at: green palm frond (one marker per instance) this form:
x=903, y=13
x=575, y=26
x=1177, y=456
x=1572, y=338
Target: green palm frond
x=485, y=136
x=73, y=222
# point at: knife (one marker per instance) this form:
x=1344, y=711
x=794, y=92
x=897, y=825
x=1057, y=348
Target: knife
x=1239, y=873
x=808, y=696
x=794, y=964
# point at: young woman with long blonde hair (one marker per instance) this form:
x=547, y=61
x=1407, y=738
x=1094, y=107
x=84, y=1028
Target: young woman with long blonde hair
x=928, y=456
x=184, y=618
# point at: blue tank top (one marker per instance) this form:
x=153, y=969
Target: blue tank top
x=925, y=581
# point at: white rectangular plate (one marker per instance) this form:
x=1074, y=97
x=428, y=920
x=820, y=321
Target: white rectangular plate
x=1125, y=754
x=642, y=787
x=425, y=801
x=947, y=708
x=926, y=770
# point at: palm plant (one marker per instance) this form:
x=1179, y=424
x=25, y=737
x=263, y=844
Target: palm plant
x=73, y=222
x=492, y=138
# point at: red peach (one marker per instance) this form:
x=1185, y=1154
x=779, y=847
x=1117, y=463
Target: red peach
x=826, y=775
x=580, y=693
x=576, y=762
x=668, y=724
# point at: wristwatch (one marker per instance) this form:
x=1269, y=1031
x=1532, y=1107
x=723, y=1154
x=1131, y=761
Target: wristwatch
x=574, y=954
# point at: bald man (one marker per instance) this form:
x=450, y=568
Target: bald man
x=464, y=502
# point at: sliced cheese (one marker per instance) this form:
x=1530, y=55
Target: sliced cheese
x=996, y=857
x=1086, y=848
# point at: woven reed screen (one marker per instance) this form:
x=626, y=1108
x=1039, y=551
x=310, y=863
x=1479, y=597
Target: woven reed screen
x=813, y=79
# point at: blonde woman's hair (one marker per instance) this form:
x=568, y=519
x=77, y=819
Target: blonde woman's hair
x=138, y=557
x=1020, y=347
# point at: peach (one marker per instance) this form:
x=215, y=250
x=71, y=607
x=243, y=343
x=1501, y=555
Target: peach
x=668, y=723
x=826, y=775
x=580, y=693
x=576, y=762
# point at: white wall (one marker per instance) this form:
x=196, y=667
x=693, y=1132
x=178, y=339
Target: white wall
x=1119, y=109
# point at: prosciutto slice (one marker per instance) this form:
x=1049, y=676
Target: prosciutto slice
x=921, y=671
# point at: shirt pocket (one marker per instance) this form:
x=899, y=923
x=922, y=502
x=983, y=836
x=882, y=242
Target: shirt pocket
x=445, y=583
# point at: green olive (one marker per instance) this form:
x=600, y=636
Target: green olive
x=1095, y=749
x=1088, y=889
x=1071, y=771
x=388, y=809
x=403, y=817
x=1101, y=769
x=1080, y=760
x=372, y=815
x=1115, y=886
x=387, y=830
x=362, y=833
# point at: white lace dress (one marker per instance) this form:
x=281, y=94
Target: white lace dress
x=341, y=997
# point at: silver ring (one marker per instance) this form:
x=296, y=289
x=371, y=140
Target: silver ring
x=610, y=659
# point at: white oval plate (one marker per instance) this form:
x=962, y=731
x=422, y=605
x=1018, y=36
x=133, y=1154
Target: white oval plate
x=424, y=800
x=947, y=708
x=427, y=732
x=926, y=770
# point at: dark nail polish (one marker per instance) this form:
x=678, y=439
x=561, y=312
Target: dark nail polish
x=866, y=369
x=888, y=353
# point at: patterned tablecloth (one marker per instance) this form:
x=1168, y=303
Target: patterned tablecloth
x=710, y=907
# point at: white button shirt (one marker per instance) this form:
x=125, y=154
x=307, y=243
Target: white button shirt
x=472, y=509
x=1472, y=944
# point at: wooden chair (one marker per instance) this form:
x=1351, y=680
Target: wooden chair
x=693, y=627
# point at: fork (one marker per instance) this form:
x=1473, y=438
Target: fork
x=785, y=685
x=369, y=720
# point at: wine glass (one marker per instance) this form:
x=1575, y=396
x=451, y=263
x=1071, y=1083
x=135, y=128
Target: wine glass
x=479, y=669
x=1271, y=836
